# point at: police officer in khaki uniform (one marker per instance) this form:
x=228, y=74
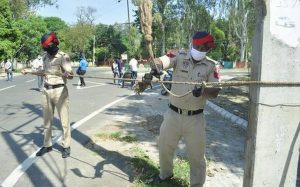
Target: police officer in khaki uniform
x=57, y=69
x=185, y=117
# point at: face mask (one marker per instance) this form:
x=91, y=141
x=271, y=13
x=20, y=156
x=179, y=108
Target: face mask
x=52, y=50
x=197, y=55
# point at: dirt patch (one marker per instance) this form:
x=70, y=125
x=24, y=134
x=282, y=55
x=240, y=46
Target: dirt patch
x=234, y=99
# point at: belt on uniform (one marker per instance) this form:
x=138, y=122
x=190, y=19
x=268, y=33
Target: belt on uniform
x=53, y=86
x=185, y=112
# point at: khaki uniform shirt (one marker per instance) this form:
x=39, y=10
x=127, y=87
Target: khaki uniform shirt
x=185, y=70
x=57, y=64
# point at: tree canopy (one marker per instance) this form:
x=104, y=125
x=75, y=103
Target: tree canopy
x=9, y=32
x=174, y=22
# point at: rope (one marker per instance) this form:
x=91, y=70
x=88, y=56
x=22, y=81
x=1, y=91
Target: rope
x=235, y=83
x=171, y=93
x=206, y=84
x=142, y=84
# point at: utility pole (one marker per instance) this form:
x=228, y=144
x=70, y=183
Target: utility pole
x=94, y=50
x=128, y=15
x=128, y=18
x=272, y=139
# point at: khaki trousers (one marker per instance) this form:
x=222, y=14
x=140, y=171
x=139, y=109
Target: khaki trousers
x=56, y=98
x=192, y=129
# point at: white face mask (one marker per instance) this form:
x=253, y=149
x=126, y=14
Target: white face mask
x=197, y=55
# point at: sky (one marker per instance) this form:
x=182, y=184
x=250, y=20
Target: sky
x=108, y=11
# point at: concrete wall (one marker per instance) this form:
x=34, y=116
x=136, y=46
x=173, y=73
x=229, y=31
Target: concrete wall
x=272, y=145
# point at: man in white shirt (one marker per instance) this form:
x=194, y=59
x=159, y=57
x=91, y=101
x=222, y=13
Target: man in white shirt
x=37, y=65
x=8, y=70
x=133, y=63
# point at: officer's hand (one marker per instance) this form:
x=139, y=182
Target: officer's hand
x=197, y=91
x=156, y=68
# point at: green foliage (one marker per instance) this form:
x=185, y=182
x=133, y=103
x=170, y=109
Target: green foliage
x=23, y=8
x=9, y=34
x=110, y=39
x=55, y=24
x=77, y=38
x=219, y=36
x=32, y=28
x=101, y=53
x=173, y=26
x=147, y=168
x=133, y=42
x=19, y=9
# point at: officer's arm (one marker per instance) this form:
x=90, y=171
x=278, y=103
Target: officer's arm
x=214, y=76
x=167, y=61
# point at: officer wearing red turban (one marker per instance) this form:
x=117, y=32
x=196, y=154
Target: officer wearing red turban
x=57, y=69
x=185, y=118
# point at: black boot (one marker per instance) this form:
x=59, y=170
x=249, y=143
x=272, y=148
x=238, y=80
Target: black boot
x=43, y=150
x=66, y=152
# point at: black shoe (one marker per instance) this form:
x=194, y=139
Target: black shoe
x=66, y=152
x=157, y=180
x=43, y=150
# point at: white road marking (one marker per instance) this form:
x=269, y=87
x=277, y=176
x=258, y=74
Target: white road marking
x=12, y=179
x=30, y=80
x=97, y=85
x=85, y=87
x=94, y=82
x=7, y=88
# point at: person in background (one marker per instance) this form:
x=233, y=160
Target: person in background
x=83, y=64
x=8, y=70
x=133, y=64
x=37, y=65
x=116, y=68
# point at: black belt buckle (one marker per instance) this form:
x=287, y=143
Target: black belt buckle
x=53, y=86
x=185, y=112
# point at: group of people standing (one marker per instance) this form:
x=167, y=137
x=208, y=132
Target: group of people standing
x=119, y=70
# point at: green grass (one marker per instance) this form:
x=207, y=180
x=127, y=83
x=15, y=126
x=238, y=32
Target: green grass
x=146, y=169
x=117, y=136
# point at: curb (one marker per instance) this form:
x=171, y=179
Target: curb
x=236, y=120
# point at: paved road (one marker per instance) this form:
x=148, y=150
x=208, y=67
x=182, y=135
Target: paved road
x=21, y=134
x=21, y=127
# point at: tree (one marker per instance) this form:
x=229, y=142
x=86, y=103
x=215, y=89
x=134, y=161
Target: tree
x=24, y=8
x=239, y=17
x=55, y=24
x=111, y=38
x=32, y=29
x=237, y=12
x=85, y=15
x=219, y=36
x=9, y=34
x=160, y=17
